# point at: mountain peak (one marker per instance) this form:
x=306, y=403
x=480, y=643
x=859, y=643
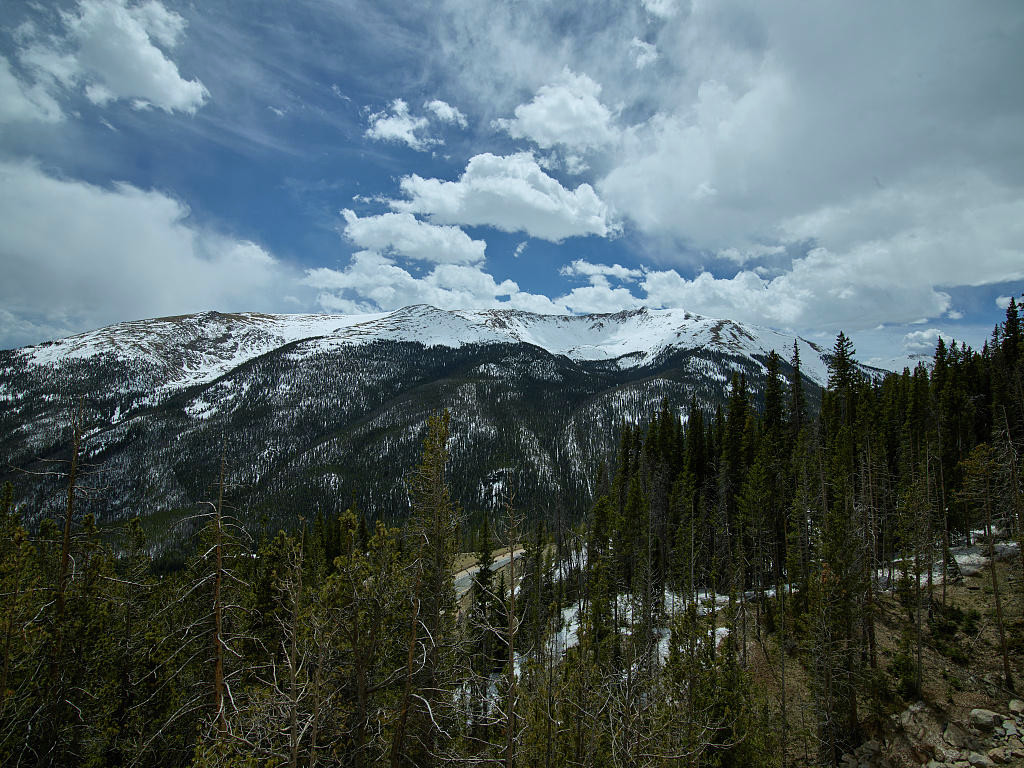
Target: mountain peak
x=201, y=347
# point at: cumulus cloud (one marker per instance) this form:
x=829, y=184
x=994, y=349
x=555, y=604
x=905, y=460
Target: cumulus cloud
x=116, y=51
x=77, y=256
x=924, y=342
x=567, y=112
x=446, y=113
x=396, y=123
x=775, y=134
x=742, y=148
x=821, y=290
x=405, y=235
x=373, y=282
x=599, y=298
x=511, y=193
x=583, y=268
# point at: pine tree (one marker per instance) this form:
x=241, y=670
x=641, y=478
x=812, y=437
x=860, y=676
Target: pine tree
x=19, y=579
x=481, y=622
x=433, y=529
x=979, y=491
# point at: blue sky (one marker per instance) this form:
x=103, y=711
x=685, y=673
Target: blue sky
x=813, y=167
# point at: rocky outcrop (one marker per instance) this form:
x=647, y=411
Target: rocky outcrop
x=924, y=736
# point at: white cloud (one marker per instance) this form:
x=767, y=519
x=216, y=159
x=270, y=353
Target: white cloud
x=402, y=233
x=697, y=174
x=924, y=342
x=397, y=123
x=583, y=268
x=662, y=9
x=567, y=112
x=22, y=103
x=750, y=253
x=110, y=49
x=372, y=282
x=511, y=193
x=821, y=290
x=166, y=27
x=599, y=299
x=375, y=281
x=643, y=53
x=1002, y=302
x=446, y=113
x=575, y=165
x=520, y=248
x=892, y=162
x=79, y=256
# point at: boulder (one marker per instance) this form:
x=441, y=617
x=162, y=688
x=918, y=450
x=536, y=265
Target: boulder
x=922, y=752
x=870, y=747
x=979, y=760
x=985, y=719
x=1017, y=706
x=955, y=736
x=997, y=755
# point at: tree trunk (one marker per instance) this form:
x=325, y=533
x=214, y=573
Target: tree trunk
x=1007, y=677
x=510, y=731
x=293, y=659
x=398, y=740
x=218, y=611
x=65, y=550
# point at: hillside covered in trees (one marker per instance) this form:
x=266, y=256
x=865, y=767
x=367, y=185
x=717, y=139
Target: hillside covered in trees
x=318, y=412
x=752, y=585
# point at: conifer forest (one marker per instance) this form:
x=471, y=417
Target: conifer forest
x=770, y=582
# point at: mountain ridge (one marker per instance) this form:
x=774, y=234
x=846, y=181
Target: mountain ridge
x=315, y=411
x=643, y=333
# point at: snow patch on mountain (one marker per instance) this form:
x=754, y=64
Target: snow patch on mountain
x=198, y=349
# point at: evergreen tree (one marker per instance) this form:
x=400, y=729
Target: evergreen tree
x=427, y=711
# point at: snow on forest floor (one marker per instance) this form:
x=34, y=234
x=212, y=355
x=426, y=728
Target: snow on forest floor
x=567, y=635
x=970, y=560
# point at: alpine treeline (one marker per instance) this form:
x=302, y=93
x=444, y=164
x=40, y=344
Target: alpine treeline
x=719, y=605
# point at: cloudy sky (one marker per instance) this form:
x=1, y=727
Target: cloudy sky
x=808, y=166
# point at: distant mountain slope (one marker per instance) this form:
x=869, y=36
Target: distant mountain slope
x=314, y=410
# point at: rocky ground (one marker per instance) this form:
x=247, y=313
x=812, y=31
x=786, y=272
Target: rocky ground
x=924, y=734
x=967, y=715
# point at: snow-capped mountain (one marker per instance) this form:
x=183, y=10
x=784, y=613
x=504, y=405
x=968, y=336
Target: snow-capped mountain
x=195, y=349
x=314, y=410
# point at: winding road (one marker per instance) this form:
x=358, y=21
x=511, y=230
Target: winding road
x=464, y=578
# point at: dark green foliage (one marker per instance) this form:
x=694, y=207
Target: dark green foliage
x=344, y=643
